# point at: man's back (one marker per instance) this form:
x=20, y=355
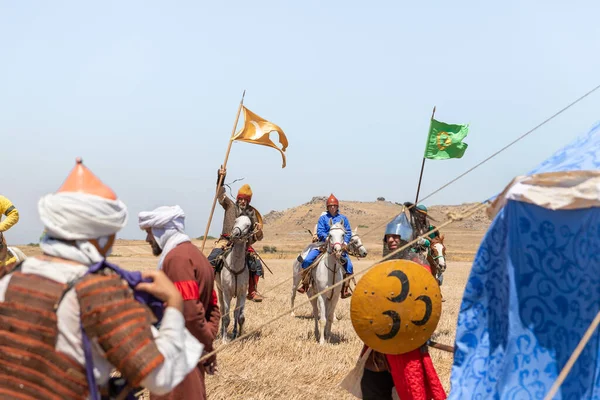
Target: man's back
x=99, y=303
x=188, y=256
x=191, y=272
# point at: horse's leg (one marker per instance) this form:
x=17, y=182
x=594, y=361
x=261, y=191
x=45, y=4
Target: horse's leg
x=296, y=279
x=331, y=304
x=240, y=317
x=315, y=307
x=322, y=317
x=220, y=297
x=225, y=319
x=236, y=312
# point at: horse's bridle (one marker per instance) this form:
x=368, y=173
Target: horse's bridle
x=328, y=243
x=435, y=259
x=244, y=237
x=352, y=249
x=236, y=273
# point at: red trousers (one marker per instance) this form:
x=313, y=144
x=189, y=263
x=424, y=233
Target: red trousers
x=415, y=377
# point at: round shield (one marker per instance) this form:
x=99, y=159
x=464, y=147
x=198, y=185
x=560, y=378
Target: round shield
x=259, y=217
x=396, y=307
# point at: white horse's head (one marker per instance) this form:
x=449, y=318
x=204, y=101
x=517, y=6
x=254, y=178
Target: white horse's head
x=355, y=246
x=241, y=227
x=438, y=252
x=335, y=239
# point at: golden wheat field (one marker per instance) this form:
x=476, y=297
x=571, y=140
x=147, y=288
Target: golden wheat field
x=282, y=360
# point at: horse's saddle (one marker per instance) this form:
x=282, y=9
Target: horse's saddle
x=315, y=245
x=217, y=258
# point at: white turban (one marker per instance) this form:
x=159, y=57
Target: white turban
x=167, y=224
x=166, y=217
x=81, y=216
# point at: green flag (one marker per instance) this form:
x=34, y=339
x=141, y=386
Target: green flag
x=446, y=141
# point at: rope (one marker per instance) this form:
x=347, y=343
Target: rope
x=515, y=141
x=578, y=350
x=467, y=214
x=556, y=114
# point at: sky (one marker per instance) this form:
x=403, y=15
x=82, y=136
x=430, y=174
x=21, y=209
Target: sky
x=146, y=92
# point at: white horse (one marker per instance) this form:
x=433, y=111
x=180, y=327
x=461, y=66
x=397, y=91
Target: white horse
x=232, y=281
x=328, y=272
x=355, y=248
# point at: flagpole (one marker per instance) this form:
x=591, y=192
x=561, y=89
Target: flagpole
x=220, y=182
x=423, y=164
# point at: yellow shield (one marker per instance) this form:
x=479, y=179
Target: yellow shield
x=259, y=217
x=396, y=307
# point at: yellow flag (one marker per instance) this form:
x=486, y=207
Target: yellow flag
x=256, y=130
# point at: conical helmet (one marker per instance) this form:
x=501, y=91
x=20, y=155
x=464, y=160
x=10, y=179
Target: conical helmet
x=82, y=180
x=401, y=226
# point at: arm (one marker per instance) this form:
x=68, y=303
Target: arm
x=433, y=234
x=156, y=359
x=214, y=316
x=348, y=235
x=12, y=215
x=224, y=200
x=323, y=228
x=180, y=350
x=180, y=271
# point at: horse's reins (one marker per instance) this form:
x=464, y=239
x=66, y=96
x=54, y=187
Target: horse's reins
x=334, y=270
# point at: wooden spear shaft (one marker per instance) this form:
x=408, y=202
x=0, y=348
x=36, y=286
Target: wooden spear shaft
x=423, y=164
x=212, y=210
x=440, y=346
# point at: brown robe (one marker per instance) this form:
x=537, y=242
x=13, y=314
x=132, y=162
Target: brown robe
x=193, y=276
x=232, y=211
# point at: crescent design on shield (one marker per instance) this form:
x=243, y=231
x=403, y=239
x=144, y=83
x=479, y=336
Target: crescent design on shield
x=396, y=307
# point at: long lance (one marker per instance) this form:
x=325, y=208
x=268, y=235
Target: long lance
x=440, y=346
x=212, y=210
x=263, y=261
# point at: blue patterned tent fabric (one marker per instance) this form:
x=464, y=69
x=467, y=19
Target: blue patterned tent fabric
x=580, y=155
x=533, y=291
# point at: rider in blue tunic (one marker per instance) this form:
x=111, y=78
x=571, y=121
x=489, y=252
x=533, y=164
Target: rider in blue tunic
x=322, y=232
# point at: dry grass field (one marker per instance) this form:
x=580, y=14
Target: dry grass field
x=283, y=360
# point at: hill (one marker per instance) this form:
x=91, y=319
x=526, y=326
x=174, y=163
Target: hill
x=287, y=229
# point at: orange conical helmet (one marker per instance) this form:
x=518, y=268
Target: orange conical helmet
x=82, y=180
x=245, y=192
x=332, y=201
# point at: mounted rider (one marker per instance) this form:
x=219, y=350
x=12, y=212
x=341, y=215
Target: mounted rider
x=421, y=225
x=322, y=233
x=424, y=221
x=233, y=210
x=12, y=217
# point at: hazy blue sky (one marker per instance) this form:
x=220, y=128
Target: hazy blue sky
x=146, y=92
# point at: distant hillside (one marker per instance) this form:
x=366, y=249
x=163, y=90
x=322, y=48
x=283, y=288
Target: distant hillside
x=369, y=217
